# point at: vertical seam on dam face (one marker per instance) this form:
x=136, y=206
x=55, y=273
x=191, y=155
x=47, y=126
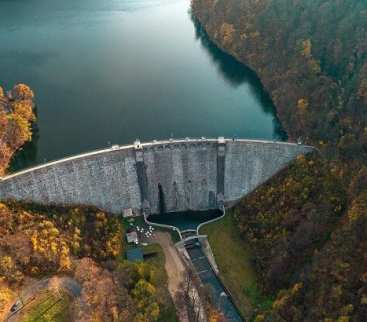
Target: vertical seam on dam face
x=194, y=174
x=221, y=154
x=142, y=176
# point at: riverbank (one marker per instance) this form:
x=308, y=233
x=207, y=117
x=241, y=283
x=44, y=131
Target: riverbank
x=234, y=262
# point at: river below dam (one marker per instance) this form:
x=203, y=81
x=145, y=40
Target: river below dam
x=108, y=72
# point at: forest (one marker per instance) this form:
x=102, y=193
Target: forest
x=86, y=245
x=307, y=226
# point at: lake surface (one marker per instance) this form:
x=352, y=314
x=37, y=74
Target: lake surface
x=108, y=72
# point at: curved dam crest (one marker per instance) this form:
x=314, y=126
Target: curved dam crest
x=193, y=174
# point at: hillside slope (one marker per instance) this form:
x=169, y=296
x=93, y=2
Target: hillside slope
x=38, y=243
x=311, y=57
x=307, y=227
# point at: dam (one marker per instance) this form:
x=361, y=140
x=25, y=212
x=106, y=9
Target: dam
x=190, y=174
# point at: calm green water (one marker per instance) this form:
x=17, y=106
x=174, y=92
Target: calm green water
x=107, y=72
x=185, y=220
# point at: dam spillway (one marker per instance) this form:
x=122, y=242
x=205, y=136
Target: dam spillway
x=192, y=174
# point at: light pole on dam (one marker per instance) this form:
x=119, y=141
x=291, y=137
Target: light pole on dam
x=192, y=174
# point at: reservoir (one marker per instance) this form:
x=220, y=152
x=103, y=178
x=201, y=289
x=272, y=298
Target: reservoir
x=108, y=72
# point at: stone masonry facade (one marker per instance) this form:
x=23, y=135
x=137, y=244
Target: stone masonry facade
x=194, y=174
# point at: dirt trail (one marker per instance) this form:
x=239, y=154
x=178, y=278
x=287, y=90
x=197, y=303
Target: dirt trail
x=174, y=267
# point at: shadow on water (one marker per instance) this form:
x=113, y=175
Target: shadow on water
x=232, y=71
x=236, y=74
x=61, y=100
x=185, y=220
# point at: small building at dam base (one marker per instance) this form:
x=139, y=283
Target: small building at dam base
x=186, y=174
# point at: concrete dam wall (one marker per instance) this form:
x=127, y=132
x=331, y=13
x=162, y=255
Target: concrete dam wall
x=187, y=174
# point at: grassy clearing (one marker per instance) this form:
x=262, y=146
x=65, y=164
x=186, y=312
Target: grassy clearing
x=48, y=307
x=159, y=258
x=233, y=259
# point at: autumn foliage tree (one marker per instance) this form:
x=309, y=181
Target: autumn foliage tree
x=16, y=117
